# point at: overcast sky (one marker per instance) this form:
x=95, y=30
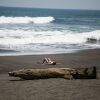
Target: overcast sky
x=66, y=4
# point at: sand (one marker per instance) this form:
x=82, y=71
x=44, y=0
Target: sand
x=13, y=88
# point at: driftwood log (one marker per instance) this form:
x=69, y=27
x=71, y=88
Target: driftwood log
x=67, y=73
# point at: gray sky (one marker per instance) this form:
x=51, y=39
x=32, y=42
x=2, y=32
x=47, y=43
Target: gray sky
x=66, y=4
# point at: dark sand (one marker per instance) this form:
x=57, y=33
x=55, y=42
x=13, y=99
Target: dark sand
x=12, y=88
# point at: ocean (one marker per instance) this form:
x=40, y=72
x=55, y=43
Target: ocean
x=33, y=31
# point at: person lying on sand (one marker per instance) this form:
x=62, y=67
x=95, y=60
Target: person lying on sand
x=49, y=61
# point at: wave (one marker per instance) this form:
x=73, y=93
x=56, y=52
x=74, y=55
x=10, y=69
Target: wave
x=14, y=37
x=25, y=20
x=45, y=42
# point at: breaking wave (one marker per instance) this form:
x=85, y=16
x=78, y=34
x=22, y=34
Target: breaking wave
x=47, y=37
x=25, y=20
x=45, y=42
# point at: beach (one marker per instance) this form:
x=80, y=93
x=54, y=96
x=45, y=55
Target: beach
x=12, y=88
x=71, y=37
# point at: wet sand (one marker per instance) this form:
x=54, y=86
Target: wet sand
x=12, y=88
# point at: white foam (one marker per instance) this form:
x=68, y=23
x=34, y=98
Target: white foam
x=13, y=37
x=39, y=42
x=25, y=20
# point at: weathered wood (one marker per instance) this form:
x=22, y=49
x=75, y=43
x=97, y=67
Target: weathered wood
x=67, y=73
x=86, y=73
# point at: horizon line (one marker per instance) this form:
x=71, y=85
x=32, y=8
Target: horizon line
x=49, y=8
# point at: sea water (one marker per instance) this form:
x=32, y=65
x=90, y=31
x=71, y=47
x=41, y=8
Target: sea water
x=31, y=31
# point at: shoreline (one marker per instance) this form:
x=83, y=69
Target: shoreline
x=74, y=52
x=83, y=58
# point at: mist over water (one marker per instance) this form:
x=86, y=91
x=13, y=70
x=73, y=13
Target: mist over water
x=45, y=31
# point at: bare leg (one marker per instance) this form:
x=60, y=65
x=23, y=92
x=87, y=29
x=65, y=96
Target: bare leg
x=45, y=60
x=49, y=60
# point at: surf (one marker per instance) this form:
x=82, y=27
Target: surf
x=48, y=37
x=26, y=20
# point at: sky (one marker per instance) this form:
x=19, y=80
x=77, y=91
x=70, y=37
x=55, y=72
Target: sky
x=61, y=4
